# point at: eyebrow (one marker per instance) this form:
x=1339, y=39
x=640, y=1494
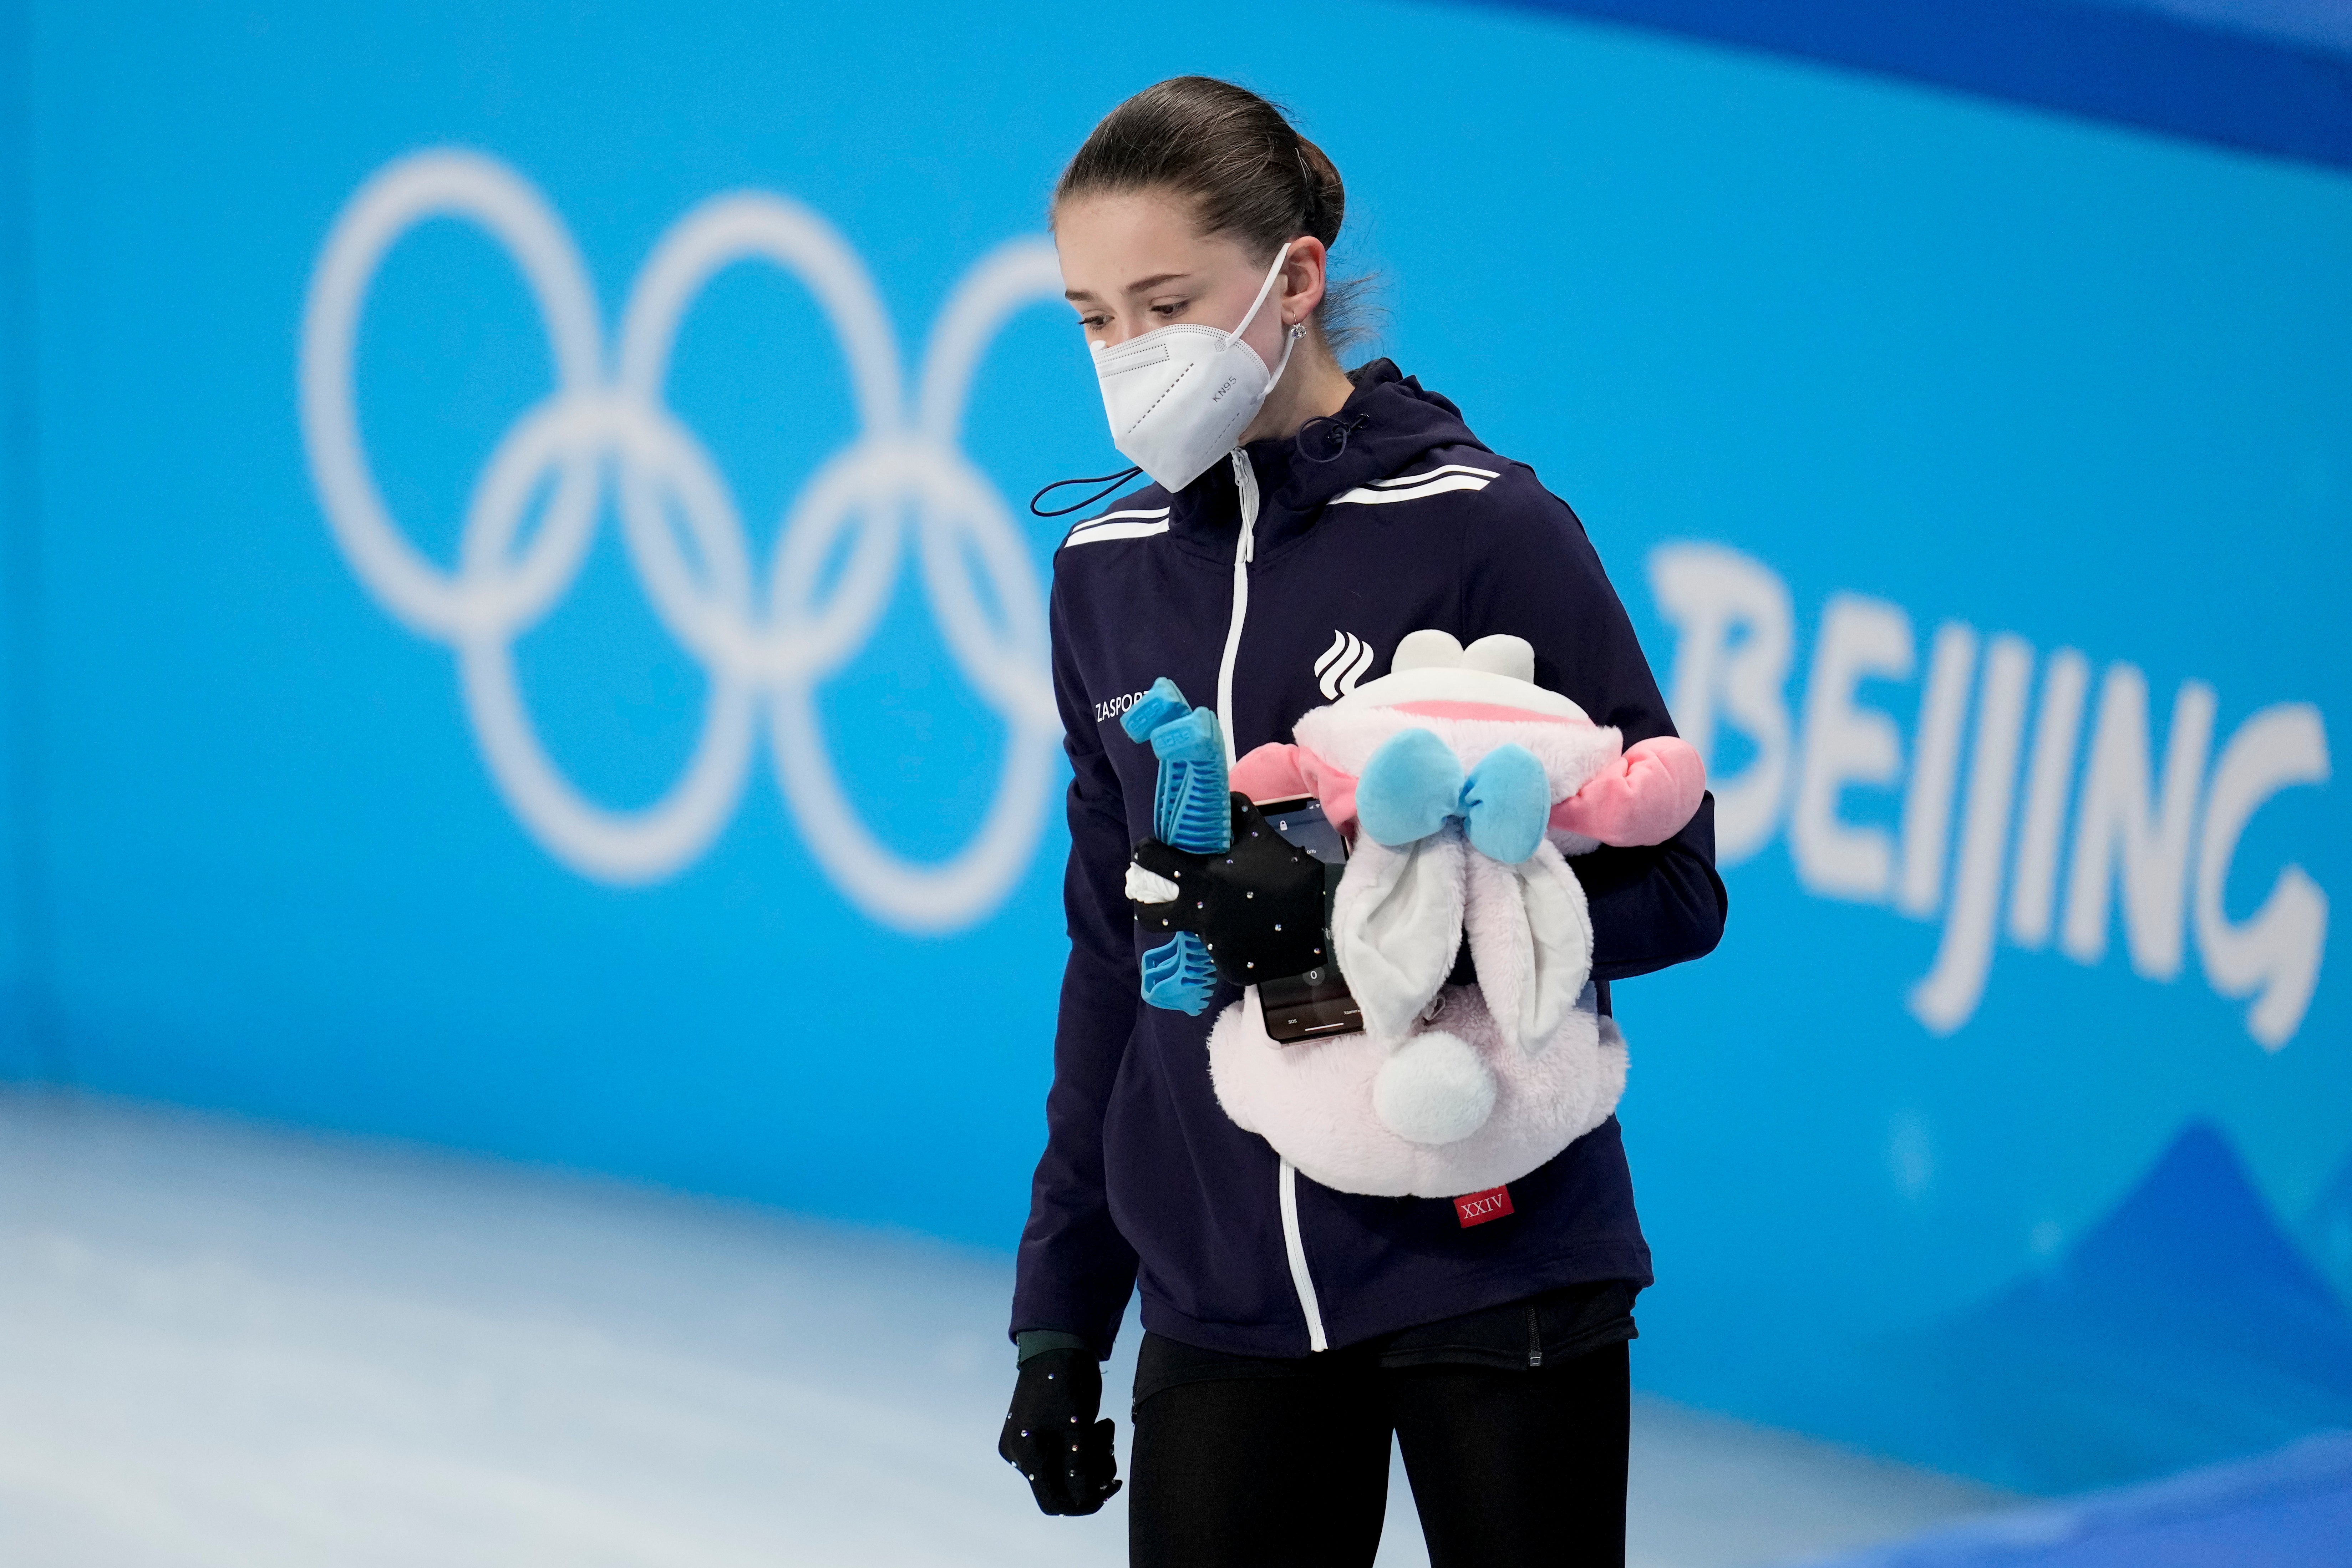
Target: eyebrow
x=1141, y=284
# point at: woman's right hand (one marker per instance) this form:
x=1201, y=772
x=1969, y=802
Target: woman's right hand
x=1051, y=1435
x=1258, y=905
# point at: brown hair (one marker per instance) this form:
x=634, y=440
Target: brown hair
x=1239, y=160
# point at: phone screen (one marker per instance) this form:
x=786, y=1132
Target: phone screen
x=1301, y=822
x=1317, y=1003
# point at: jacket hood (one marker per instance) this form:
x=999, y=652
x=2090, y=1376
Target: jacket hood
x=1389, y=421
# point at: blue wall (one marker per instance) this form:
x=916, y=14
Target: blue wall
x=1852, y=383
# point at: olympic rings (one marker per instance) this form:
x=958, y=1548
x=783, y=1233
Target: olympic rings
x=765, y=645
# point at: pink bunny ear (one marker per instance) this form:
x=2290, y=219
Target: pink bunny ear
x=1277, y=771
x=1646, y=798
x=1270, y=772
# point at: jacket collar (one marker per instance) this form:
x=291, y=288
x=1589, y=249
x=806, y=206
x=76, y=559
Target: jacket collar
x=1389, y=420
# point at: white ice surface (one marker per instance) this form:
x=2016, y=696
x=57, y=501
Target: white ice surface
x=225, y=1344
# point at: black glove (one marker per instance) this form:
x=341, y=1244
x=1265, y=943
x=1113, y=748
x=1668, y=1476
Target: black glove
x=1051, y=1435
x=1259, y=906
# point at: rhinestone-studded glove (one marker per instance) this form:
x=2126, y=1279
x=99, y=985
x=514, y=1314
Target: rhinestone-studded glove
x=1051, y=1435
x=1259, y=906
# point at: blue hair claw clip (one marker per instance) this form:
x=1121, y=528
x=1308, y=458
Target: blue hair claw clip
x=1191, y=810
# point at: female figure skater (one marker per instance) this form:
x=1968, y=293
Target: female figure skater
x=1290, y=1328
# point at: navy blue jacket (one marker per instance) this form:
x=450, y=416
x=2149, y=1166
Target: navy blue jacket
x=1144, y=1180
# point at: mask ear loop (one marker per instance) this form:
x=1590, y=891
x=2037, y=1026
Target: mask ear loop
x=1108, y=482
x=1265, y=289
x=1290, y=339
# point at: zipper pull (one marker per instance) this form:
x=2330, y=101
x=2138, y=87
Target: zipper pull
x=1245, y=482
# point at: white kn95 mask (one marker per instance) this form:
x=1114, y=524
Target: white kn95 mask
x=1179, y=396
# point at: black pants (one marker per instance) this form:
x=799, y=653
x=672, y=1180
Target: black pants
x=1511, y=1467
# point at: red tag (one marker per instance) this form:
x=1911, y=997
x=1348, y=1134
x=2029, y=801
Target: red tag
x=1477, y=1208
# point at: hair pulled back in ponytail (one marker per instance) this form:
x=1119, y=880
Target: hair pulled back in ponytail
x=1241, y=163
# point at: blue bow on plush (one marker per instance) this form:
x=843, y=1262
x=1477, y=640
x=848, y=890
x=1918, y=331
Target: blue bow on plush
x=1414, y=785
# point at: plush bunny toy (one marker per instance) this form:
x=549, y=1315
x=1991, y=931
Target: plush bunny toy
x=1464, y=783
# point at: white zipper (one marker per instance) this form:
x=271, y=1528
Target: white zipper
x=1246, y=478
x=1293, y=1246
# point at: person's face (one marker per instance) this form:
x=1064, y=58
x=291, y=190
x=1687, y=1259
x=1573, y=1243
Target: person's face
x=1135, y=261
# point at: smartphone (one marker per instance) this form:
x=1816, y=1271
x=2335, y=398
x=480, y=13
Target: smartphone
x=1310, y=1006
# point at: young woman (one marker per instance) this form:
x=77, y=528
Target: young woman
x=1290, y=1328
